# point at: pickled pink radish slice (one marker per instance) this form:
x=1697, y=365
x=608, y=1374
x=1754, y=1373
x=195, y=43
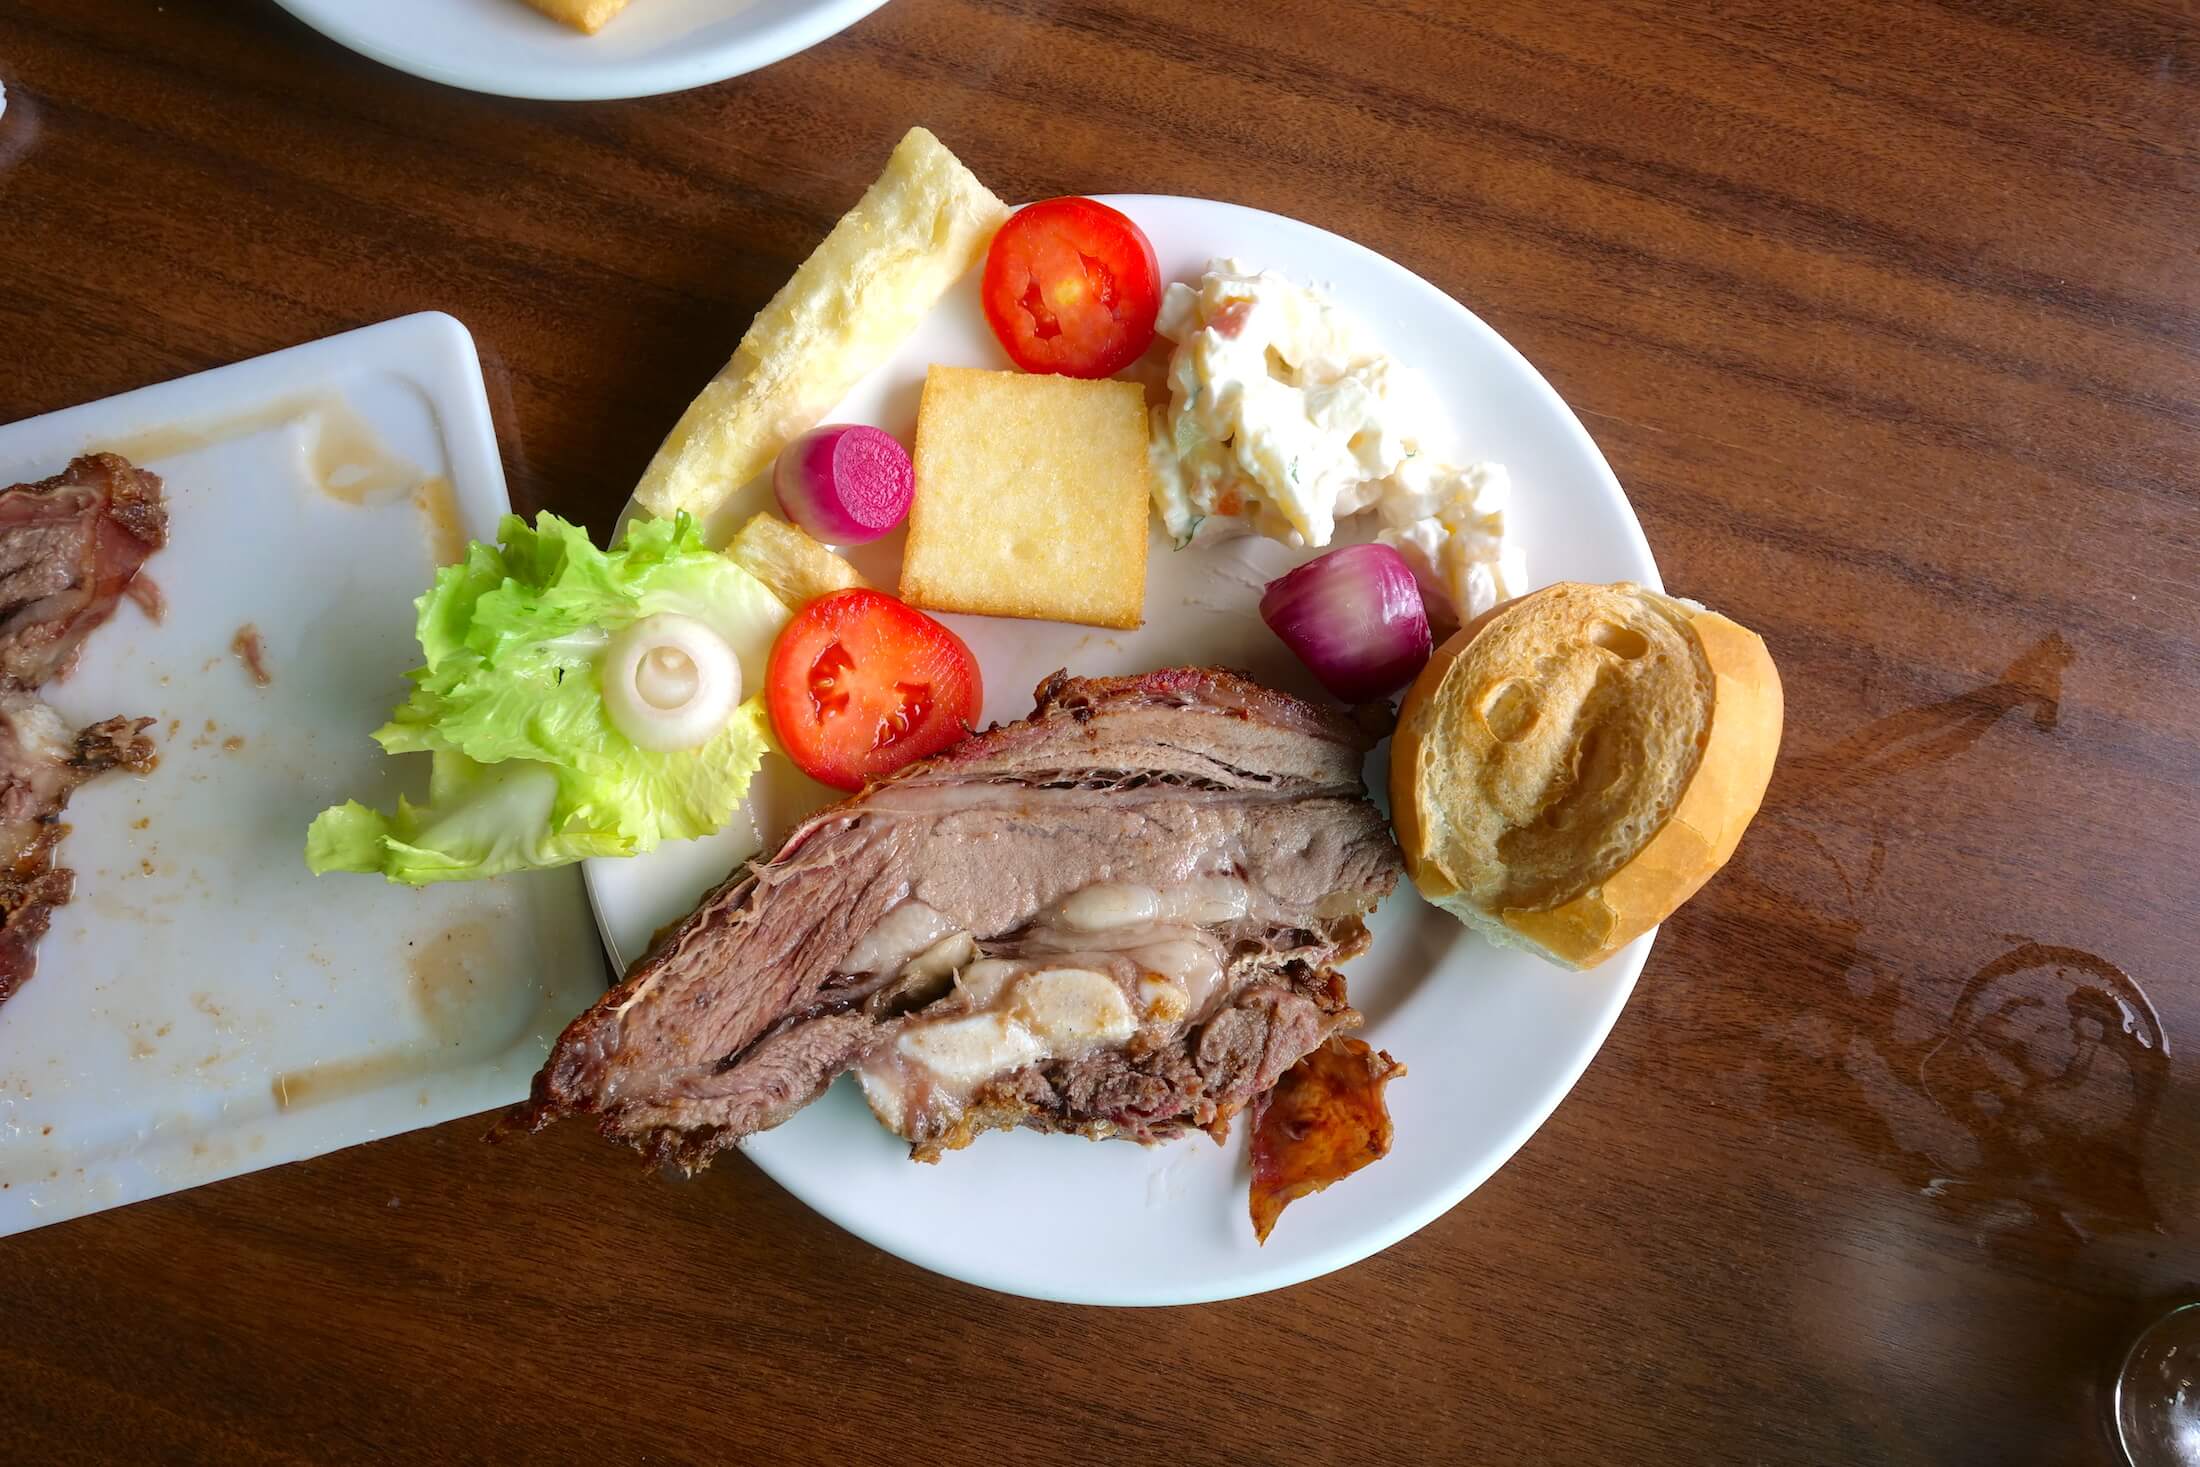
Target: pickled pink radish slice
x=846, y=484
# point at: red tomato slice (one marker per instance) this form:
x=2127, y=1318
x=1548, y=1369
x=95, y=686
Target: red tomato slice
x=1072, y=287
x=860, y=684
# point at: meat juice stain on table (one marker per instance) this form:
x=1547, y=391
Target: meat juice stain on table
x=2023, y=1103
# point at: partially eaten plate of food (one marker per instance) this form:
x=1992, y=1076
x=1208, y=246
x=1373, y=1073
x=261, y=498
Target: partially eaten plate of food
x=204, y=604
x=1104, y=721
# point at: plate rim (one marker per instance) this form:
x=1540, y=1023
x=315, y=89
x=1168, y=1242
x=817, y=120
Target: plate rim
x=598, y=81
x=1626, y=965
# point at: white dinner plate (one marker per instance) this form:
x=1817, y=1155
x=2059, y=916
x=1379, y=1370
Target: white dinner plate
x=510, y=49
x=205, y=1006
x=1492, y=1039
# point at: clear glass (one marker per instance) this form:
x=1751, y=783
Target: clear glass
x=2158, y=1393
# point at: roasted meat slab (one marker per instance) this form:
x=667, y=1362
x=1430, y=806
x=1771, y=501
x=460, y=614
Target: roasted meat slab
x=1120, y=916
x=69, y=548
x=41, y=764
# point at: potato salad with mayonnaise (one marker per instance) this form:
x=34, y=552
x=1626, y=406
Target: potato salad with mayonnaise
x=1285, y=415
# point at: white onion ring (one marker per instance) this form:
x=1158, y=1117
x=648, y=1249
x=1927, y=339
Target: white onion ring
x=669, y=682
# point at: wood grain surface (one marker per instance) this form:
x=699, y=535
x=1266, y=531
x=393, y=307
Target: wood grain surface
x=1887, y=314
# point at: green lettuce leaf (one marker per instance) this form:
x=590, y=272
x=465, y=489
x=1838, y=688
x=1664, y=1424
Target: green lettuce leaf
x=528, y=770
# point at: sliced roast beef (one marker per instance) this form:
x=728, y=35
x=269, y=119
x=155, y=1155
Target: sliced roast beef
x=41, y=765
x=1120, y=916
x=70, y=547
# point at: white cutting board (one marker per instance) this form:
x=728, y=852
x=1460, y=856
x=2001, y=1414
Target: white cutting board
x=205, y=1006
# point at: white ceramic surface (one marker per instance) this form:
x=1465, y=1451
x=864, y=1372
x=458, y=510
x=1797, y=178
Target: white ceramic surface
x=508, y=48
x=1493, y=1039
x=205, y=1006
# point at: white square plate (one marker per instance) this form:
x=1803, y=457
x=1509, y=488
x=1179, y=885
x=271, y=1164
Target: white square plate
x=205, y=1006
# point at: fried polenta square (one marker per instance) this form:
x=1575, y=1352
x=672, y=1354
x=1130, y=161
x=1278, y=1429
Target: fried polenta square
x=1031, y=498
x=582, y=15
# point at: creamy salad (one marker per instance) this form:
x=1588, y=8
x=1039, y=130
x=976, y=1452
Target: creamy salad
x=1285, y=415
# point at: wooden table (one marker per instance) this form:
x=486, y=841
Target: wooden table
x=1887, y=316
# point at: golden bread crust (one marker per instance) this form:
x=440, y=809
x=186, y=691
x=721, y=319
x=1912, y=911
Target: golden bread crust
x=1506, y=833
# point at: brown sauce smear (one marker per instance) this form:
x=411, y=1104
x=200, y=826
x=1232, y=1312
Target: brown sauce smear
x=460, y=984
x=252, y=652
x=448, y=971
x=438, y=508
x=342, y=1079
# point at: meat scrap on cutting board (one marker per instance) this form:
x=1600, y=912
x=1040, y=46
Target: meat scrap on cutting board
x=1119, y=917
x=69, y=548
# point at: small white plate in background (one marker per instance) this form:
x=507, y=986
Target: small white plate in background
x=510, y=49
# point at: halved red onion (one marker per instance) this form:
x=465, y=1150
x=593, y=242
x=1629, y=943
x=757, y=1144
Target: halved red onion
x=1355, y=618
x=846, y=484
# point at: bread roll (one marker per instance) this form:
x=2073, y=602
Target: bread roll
x=1571, y=766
